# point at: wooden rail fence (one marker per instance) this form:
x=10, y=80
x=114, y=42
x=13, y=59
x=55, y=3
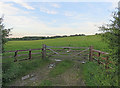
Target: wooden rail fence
x=29, y=54
x=98, y=55
x=45, y=48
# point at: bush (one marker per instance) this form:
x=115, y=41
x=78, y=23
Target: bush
x=97, y=75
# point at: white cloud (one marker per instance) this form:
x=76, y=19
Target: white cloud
x=23, y=4
x=8, y=9
x=43, y=9
x=29, y=25
x=85, y=27
x=55, y=5
x=69, y=14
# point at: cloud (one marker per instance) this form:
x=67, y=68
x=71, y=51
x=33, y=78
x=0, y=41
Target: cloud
x=23, y=4
x=45, y=10
x=87, y=27
x=25, y=25
x=9, y=9
x=29, y=25
x=55, y=5
x=69, y=14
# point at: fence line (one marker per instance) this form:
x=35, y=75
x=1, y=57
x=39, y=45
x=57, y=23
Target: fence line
x=91, y=54
x=81, y=52
x=29, y=53
x=45, y=48
x=66, y=47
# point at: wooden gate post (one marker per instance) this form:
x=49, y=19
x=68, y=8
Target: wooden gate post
x=30, y=54
x=106, y=63
x=90, y=53
x=99, y=58
x=44, y=51
x=15, y=56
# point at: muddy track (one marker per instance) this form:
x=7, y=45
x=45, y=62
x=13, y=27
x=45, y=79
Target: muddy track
x=71, y=77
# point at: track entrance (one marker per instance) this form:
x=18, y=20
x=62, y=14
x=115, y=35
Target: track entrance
x=72, y=53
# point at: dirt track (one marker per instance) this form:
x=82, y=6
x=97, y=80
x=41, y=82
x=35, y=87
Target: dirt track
x=71, y=77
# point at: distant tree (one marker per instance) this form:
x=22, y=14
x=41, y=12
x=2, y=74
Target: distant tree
x=111, y=34
x=64, y=36
x=3, y=34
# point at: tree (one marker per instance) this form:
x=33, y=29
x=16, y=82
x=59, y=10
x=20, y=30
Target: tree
x=3, y=34
x=111, y=34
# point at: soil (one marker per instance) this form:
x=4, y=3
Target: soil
x=71, y=77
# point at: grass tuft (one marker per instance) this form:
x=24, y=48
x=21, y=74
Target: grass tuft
x=61, y=68
x=46, y=83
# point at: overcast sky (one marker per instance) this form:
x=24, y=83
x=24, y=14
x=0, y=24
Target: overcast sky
x=55, y=18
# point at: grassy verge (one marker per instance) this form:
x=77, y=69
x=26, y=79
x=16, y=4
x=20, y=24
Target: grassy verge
x=46, y=83
x=12, y=71
x=61, y=68
x=97, y=75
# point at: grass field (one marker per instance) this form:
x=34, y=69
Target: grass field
x=79, y=41
x=13, y=70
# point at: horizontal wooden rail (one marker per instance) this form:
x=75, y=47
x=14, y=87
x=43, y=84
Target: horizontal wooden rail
x=98, y=56
x=81, y=51
x=53, y=51
x=99, y=51
x=36, y=53
x=36, y=49
x=65, y=47
x=27, y=54
x=95, y=55
x=23, y=50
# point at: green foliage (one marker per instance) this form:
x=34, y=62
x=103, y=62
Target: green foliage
x=97, y=75
x=13, y=70
x=111, y=35
x=61, y=68
x=3, y=34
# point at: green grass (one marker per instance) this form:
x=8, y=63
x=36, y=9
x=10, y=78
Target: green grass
x=61, y=68
x=46, y=83
x=12, y=70
x=79, y=41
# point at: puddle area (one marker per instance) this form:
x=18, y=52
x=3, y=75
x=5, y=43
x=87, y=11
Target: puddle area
x=27, y=76
x=32, y=77
x=83, y=62
x=51, y=65
x=58, y=60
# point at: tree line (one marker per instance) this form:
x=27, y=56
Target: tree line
x=43, y=37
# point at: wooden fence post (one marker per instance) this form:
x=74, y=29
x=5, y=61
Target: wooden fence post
x=90, y=53
x=44, y=51
x=30, y=56
x=99, y=58
x=106, y=63
x=15, y=56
